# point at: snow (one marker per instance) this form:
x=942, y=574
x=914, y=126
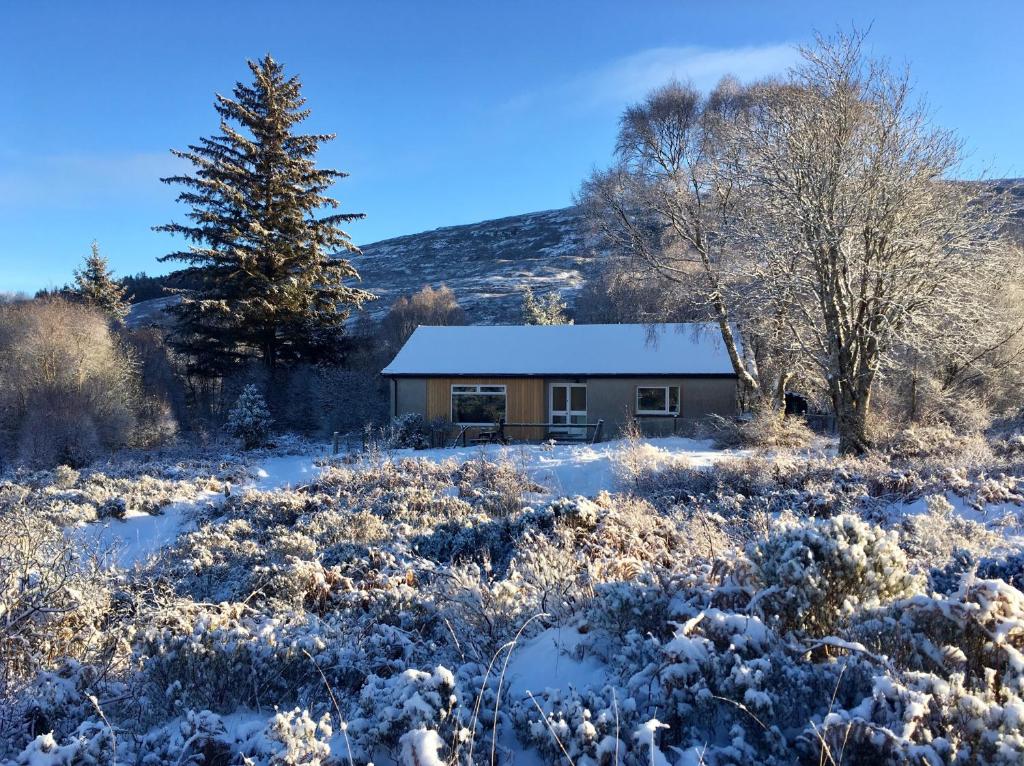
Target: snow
x=579, y=469
x=549, y=661
x=564, y=350
x=285, y=471
x=140, y=536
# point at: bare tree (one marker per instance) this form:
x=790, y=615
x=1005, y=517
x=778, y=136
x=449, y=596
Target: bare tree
x=848, y=191
x=817, y=219
x=671, y=203
x=427, y=306
x=68, y=386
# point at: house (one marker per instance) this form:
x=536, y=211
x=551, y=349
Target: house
x=561, y=380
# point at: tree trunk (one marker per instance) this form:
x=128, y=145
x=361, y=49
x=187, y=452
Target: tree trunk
x=852, y=420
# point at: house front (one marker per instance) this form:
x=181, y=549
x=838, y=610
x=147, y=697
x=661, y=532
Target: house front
x=562, y=380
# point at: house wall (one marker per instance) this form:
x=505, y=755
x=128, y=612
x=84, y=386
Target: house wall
x=524, y=403
x=613, y=400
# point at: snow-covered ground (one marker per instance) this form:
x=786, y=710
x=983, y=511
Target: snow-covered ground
x=579, y=469
x=562, y=469
x=140, y=536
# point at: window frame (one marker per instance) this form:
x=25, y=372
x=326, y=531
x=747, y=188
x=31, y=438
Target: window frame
x=667, y=411
x=476, y=389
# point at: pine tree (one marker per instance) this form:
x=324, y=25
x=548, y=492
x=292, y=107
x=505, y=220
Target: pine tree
x=95, y=285
x=249, y=418
x=548, y=310
x=271, y=287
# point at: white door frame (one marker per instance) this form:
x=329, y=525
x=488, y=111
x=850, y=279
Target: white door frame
x=570, y=415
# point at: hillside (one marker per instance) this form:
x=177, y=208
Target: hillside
x=487, y=264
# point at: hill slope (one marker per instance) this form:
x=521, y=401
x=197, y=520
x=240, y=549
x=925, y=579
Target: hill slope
x=487, y=264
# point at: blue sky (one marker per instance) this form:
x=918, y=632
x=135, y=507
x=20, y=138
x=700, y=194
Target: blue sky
x=446, y=112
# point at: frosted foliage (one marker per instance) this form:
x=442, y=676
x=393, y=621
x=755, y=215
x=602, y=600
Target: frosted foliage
x=249, y=418
x=780, y=610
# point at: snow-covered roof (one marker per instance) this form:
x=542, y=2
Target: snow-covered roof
x=569, y=350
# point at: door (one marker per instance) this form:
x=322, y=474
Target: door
x=568, y=408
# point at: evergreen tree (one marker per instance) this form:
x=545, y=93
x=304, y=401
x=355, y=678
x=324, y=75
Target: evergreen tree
x=546, y=311
x=249, y=418
x=95, y=285
x=270, y=286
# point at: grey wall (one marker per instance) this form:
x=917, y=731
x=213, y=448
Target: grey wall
x=409, y=395
x=613, y=400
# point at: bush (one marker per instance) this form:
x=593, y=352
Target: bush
x=249, y=419
x=765, y=430
x=813, y=576
x=405, y=432
x=68, y=387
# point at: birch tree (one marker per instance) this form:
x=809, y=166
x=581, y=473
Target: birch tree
x=848, y=190
x=671, y=203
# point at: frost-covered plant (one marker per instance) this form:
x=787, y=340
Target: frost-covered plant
x=405, y=432
x=249, y=419
x=766, y=429
x=413, y=700
x=53, y=599
x=811, y=577
x=959, y=689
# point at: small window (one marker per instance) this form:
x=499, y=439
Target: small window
x=657, y=400
x=478, y=405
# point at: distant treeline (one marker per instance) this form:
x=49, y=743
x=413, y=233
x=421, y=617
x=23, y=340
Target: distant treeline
x=142, y=287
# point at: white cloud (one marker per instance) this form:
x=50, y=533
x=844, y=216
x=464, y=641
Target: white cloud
x=630, y=78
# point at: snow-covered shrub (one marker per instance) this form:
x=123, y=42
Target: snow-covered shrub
x=413, y=700
x=494, y=487
x=53, y=600
x=957, y=697
x=937, y=441
x=114, y=508
x=812, y=576
x=65, y=477
x=220, y=658
x=638, y=461
x=933, y=539
x=249, y=419
x=765, y=429
x=406, y=431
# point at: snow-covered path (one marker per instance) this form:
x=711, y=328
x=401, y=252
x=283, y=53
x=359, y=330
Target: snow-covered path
x=140, y=536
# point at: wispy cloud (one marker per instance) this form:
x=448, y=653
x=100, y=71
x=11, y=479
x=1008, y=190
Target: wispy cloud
x=630, y=78
x=81, y=179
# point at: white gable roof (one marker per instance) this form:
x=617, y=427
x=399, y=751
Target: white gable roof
x=570, y=350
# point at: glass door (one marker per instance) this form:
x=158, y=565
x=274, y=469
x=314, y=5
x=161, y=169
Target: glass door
x=568, y=408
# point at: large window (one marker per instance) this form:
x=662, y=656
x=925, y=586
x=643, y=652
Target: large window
x=657, y=400
x=478, y=405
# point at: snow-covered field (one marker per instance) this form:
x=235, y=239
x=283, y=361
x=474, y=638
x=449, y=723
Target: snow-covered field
x=630, y=602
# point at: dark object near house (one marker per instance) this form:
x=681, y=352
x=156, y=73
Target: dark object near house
x=796, y=404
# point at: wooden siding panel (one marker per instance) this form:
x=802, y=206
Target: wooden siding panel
x=524, y=402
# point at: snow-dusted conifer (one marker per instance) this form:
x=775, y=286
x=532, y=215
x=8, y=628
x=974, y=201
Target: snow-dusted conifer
x=249, y=419
x=96, y=286
x=271, y=285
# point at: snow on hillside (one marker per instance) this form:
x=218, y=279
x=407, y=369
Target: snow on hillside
x=487, y=264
